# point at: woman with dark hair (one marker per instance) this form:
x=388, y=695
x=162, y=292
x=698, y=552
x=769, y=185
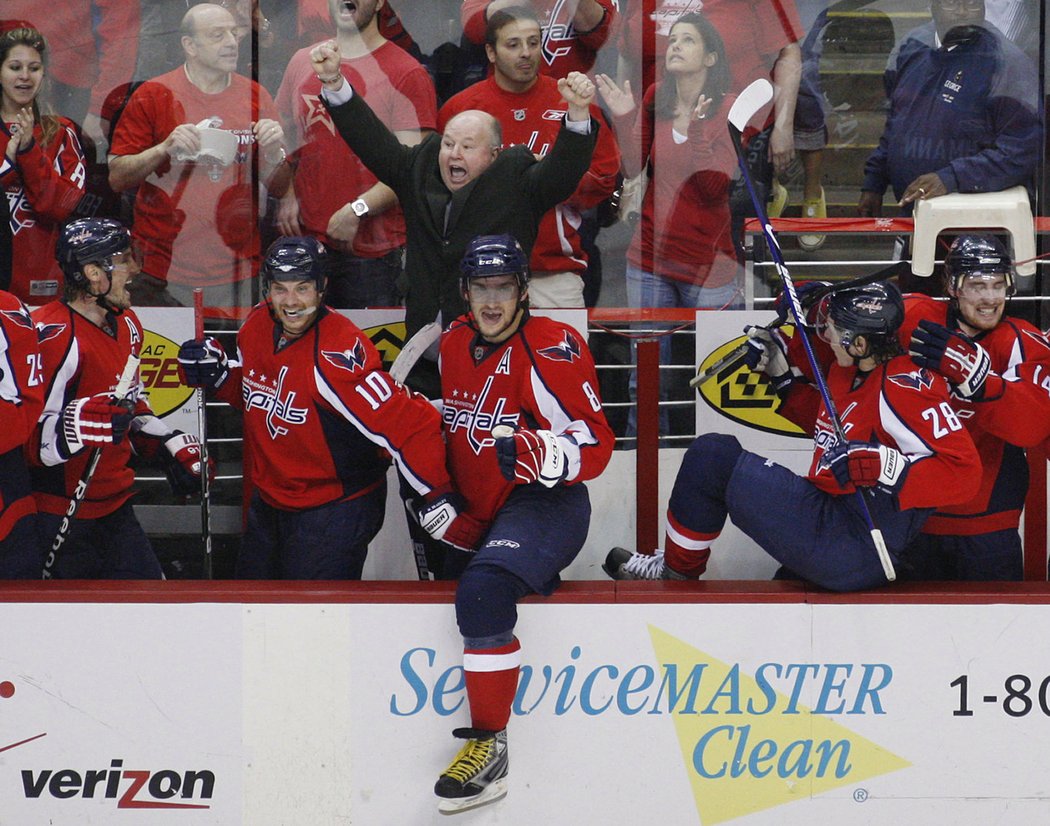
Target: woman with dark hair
x=41, y=170
x=682, y=253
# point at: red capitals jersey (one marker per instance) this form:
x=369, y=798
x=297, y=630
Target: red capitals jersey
x=81, y=359
x=541, y=378
x=42, y=187
x=322, y=419
x=1013, y=413
x=533, y=119
x=901, y=406
x=399, y=90
x=564, y=49
x=21, y=400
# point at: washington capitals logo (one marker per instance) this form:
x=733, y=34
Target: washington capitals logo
x=46, y=332
x=1038, y=338
x=19, y=317
x=352, y=360
x=920, y=379
x=568, y=350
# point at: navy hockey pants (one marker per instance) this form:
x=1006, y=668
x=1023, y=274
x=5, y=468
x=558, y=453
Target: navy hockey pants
x=821, y=537
x=113, y=546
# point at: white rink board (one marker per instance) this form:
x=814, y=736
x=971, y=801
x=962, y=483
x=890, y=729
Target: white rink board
x=339, y=714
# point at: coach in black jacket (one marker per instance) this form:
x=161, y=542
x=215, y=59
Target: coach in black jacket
x=459, y=185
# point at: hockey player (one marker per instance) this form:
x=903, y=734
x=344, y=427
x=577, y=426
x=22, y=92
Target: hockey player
x=905, y=449
x=524, y=428
x=997, y=368
x=21, y=400
x=321, y=421
x=86, y=339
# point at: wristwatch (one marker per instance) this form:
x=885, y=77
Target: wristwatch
x=359, y=207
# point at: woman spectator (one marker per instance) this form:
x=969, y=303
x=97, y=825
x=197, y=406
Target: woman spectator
x=682, y=253
x=42, y=168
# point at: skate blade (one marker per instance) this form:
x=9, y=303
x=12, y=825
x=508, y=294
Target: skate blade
x=496, y=790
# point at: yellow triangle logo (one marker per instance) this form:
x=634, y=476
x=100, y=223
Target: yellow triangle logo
x=747, y=747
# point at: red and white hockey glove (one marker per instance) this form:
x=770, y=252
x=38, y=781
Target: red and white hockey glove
x=866, y=465
x=93, y=421
x=442, y=516
x=956, y=356
x=767, y=353
x=532, y=456
x=182, y=463
x=203, y=363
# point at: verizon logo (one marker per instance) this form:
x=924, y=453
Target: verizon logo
x=131, y=788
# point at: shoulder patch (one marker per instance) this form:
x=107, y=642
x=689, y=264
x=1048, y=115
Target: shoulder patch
x=351, y=360
x=19, y=317
x=46, y=332
x=568, y=350
x=920, y=379
x=1039, y=338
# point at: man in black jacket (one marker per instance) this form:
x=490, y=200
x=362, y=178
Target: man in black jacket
x=459, y=185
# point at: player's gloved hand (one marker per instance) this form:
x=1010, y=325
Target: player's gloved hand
x=532, y=456
x=443, y=516
x=203, y=363
x=92, y=421
x=182, y=463
x=767, y=353
x=808, y=292
x=956, y=356
x=866, y=465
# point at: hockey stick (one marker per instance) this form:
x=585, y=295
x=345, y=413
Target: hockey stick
x=735, y=357
x=747, y=105
x=413, y=349
x=202, y=433
x=127, y=378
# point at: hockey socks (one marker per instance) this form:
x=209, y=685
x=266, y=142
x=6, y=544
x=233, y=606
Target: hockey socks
x=686, y=551
x=492, y=681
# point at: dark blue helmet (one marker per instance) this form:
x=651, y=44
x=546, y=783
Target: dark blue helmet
x=490, y=255
x=875, y=311
x=978, y=255
x=295, y=258
x=89, y=241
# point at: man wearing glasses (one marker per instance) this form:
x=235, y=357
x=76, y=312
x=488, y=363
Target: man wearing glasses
x=964, y=113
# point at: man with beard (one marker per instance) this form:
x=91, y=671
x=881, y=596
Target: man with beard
x=352, y=213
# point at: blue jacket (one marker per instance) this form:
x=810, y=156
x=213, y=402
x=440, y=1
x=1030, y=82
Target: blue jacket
x=969, y=113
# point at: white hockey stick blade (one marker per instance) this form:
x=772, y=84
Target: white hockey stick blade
x=884, y=554
x=127, y=378
x=754, y=97
x=412, y=351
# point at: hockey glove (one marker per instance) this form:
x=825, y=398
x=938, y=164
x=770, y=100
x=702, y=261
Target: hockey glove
x=203, y=363
x=808, y=292
x=442, y=516
x=956, y=356
x=866, y=465
x=93, y=421
x=532, y=456
x=767, y=353
x=182, y=463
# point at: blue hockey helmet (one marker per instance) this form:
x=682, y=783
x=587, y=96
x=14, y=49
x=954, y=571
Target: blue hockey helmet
x=875, y=311
x=977, y=255
x=491, y=255
x=295, y=258
x=89, y=241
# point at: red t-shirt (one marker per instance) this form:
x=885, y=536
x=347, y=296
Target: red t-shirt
x=194, y=230
x=399, y=90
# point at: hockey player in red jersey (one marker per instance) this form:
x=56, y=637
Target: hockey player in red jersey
x=321, y=423
x=998, y=369
x=21, y=400
x=524, y=428
x=86, y=339
x=906, y=450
